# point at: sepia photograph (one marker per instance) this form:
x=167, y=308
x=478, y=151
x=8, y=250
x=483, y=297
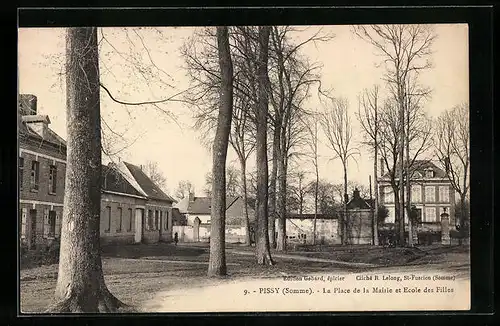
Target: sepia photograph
x=319, y=168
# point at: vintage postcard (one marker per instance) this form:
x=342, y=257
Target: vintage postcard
x=244, y=168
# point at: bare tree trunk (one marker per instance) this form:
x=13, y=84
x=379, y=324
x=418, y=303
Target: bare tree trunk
x=316, y=186
x=217, y=259
x=248, y=240
x=80, y=281
x=463, y=220
x=401, y=175
x=408, y=184
x=375, y=183
x=281, y=206
x=262, y=249
x=273, y=188
x=345, y=220
x=397, y=211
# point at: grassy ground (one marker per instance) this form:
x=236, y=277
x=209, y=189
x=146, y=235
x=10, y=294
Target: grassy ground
x=135, y=273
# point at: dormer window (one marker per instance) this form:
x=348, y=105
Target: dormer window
x=429, y=173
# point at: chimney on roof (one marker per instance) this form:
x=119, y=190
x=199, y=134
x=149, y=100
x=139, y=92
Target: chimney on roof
x=27, y=104
x=355, y=194
x=39, y=123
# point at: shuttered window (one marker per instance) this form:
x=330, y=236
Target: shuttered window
x=53, y=179
x=21, y=172
x=52, y=224
x=35, y=174
x=130, y=219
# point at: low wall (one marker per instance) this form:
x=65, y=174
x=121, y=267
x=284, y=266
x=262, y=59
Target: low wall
x=185, y=233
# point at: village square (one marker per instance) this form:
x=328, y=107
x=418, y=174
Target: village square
x=184, y=164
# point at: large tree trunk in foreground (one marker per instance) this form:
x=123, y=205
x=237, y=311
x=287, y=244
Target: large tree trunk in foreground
x=272, y=188
x=80, y=281
x=262, y=250
x=217, y=260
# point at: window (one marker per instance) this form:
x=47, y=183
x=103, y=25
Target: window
x=52, y=224
x=429, y=173
x=150, y=219
x=21, y=172
x=430, y=194
x=166, y=220
x=430, y=214
x=35, y=174
x=108, y=219
x=416, y=193
x=388, y=195
x=130, y=218
x=120, y=217
x=52, y=179
x=444, y=194
x=157, y=219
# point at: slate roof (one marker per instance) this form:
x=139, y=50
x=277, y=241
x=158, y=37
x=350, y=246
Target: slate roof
x=114, y=181
x=358, y=202
x=202, y=205
x=51, y=136
x=421, y=166
x=146, y=184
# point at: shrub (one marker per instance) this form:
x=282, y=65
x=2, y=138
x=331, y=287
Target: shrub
x=429, y=237
x=387, y=236
x=43, y=255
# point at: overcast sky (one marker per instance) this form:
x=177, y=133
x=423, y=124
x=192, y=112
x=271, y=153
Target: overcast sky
x=349, y=66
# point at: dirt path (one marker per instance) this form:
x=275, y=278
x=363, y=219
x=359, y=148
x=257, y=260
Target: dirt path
x=303, y=258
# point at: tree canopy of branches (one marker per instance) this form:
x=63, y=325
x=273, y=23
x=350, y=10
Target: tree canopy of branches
x=184, y=188
x=201, y=57
x=337, y=128
x=451, y=139
x=291, y=78
x=233, y=185
x=154, y=173
x=368, y=117
x=405, y=51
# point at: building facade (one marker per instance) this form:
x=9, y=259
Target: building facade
x=300, y=229
x=42, y=170
x=431, y=193
x=360, y=226
x=133, y=208
x=197, y=213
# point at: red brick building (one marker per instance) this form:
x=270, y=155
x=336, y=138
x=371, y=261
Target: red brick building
x=42, y=170
x=133, y=208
